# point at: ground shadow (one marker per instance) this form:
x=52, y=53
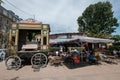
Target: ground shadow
x=78, y=65
x=15, y=78
x=85, y=64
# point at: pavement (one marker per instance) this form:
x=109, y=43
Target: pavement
x=103, y=71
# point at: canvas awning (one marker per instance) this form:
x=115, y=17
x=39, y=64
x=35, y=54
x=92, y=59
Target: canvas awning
x=93, y=40
x=80, y=39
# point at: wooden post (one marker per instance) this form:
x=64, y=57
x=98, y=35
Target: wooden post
x=93, y=46
x=16, y=40
x=41, y=39
x=47, y=39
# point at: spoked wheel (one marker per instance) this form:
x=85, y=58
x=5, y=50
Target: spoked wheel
x=39, y=60
x=13, y=62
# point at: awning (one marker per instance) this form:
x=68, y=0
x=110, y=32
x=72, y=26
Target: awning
x=81, y=39
x=93, y=40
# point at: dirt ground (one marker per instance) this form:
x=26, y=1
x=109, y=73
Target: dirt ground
x=103, y=71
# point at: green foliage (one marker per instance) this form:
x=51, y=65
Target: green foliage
x=98, y=20
x=115, y=37
x=114, y=47
x=12, y=52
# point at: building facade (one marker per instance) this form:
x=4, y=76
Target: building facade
x=7, y=17
x=29, y=35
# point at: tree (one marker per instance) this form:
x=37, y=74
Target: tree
x=97, y=20
x=116, y=44
x=116, y=38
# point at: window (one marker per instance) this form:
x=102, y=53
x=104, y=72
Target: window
x=0, y=18
x=7, y=29
x=10, y=16
x=5, y=12
x=44, y=40
x=1, y=10
x=0, y=27
x=13, y=18
x=7, y=22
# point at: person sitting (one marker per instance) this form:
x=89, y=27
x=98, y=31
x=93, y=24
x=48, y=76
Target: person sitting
x=92, y=58
x=76, y=59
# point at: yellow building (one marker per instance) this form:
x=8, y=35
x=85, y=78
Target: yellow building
x=29, y=35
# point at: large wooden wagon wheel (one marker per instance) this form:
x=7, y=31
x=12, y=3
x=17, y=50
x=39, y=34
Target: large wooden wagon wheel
x=39, y=60
x=13, y=62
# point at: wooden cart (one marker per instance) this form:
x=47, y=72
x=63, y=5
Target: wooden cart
x=27, y=41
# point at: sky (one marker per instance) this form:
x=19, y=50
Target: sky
x=62, y=15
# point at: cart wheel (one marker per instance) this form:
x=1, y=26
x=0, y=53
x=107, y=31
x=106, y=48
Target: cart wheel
x=13, y=62
x=39, y=60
